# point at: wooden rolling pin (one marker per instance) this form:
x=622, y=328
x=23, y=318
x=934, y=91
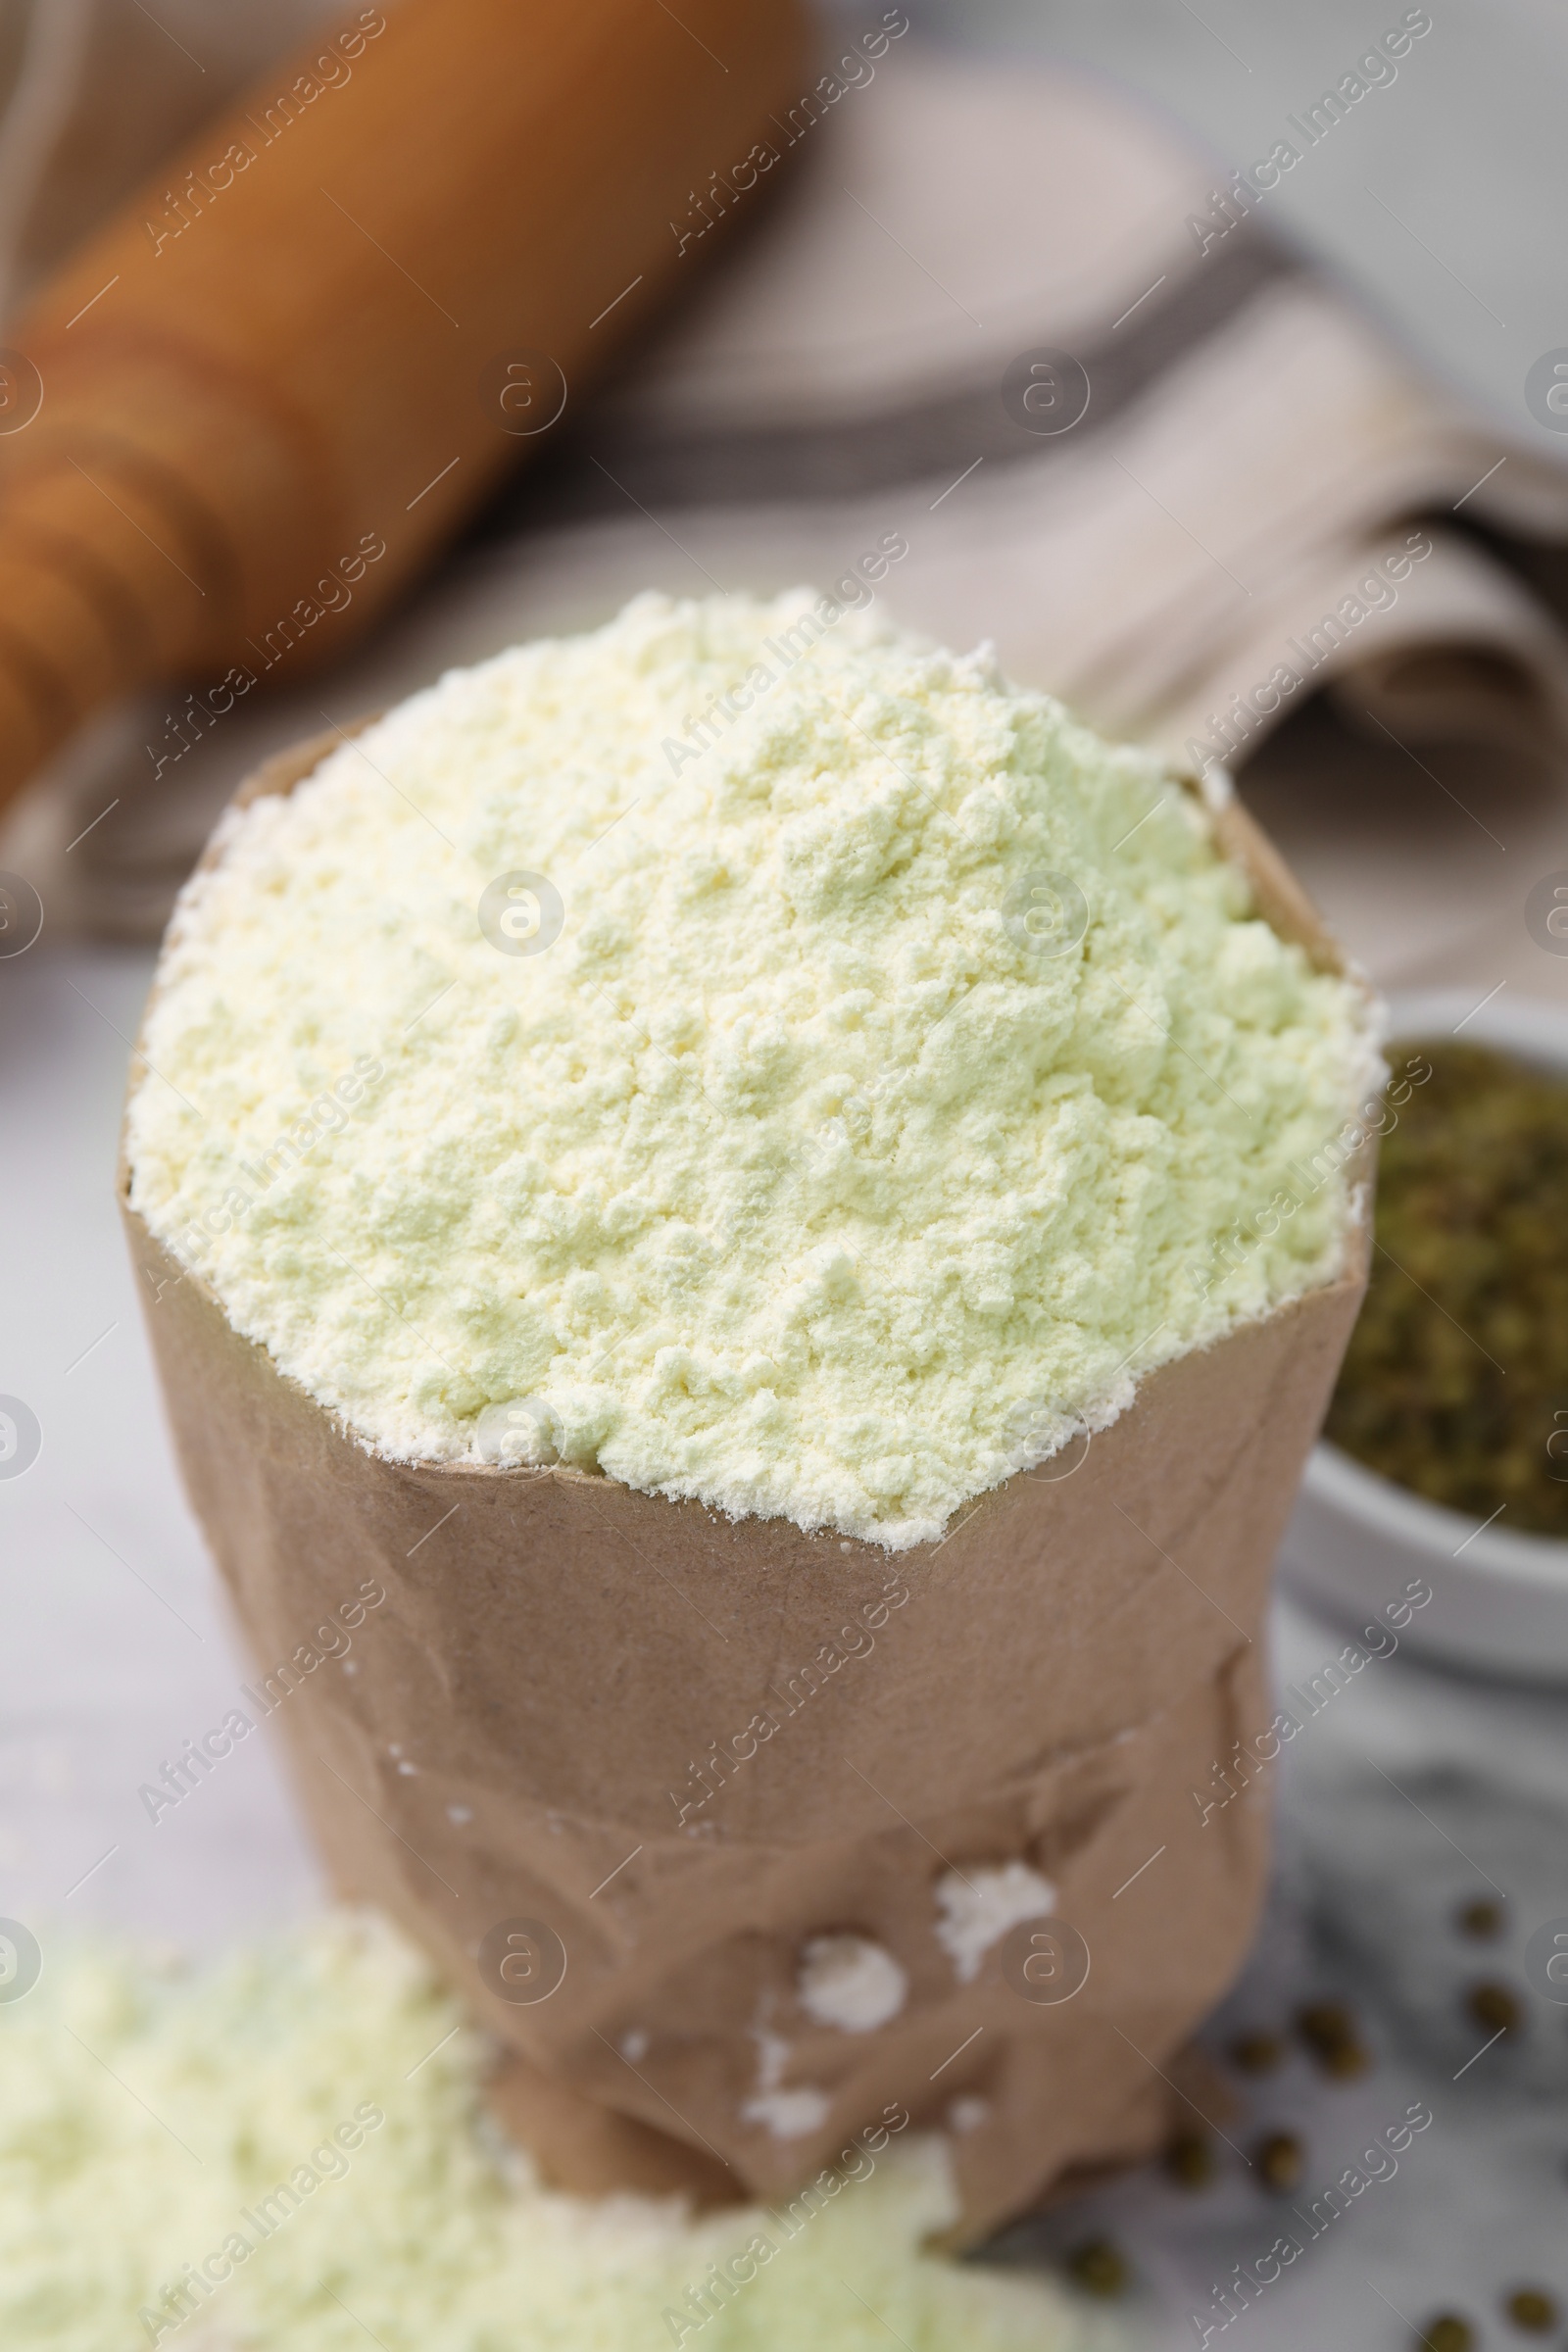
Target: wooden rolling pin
x=244, y=414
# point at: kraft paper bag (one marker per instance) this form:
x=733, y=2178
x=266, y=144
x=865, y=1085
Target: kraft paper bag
x=615, y=1761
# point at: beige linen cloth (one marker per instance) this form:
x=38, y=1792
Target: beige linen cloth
x=1259, y=507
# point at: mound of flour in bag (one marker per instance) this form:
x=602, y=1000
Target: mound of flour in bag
x=749, y=1053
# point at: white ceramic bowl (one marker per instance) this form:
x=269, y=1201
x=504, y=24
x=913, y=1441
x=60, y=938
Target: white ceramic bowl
x=1499, y=1600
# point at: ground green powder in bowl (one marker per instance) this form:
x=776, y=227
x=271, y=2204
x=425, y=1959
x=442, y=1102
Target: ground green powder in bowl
x=1456, y=1383
x=746, y=1052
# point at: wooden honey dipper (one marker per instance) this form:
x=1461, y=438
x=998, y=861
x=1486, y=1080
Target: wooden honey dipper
x=337, y=316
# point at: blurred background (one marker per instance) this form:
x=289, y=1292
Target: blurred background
x=1257, y=462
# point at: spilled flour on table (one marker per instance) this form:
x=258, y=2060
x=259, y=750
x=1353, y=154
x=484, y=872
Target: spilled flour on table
x=287, y=2155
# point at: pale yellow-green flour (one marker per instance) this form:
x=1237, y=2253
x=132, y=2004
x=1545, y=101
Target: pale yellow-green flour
x=196, y=2163
x=848, y=1088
